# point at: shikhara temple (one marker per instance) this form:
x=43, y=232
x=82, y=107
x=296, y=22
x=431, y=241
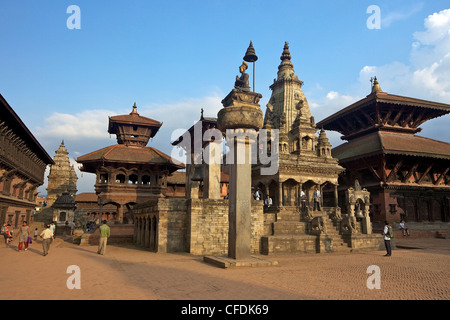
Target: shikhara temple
x=384, y=171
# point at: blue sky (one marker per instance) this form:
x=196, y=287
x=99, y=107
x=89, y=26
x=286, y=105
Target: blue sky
x=175, y=57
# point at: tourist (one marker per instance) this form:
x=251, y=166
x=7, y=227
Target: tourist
x=105, y=232
x=387, y=232
x=316, y=198
x=72, y=228
x=257, y=195
x=53, y=228
x=3, y=233
x=268, y=202
x=24, y=233
x=402, y=226
x=47, y=237
x=303, y=199
x=9, y=233
x=6, y=234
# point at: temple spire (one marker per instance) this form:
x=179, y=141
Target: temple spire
x=286, y=55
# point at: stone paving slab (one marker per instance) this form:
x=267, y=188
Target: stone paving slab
x=252, y=261
x=127, y=272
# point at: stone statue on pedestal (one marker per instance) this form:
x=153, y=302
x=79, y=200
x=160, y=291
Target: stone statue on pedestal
x=242, y=81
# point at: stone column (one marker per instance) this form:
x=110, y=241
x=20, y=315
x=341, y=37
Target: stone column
x=211, y=183
x=240, y=201
x=147, y=232
x=119, y=216
x=336, y=199
x=240, y=117
x=300, y=189
x=280, y=194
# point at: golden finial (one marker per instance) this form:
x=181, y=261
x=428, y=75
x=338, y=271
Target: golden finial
x=134, y=109
x=376, y=86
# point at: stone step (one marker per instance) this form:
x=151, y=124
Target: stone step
x=289, y=227
x=443, y=234
x=288, y=216
x=288, y=244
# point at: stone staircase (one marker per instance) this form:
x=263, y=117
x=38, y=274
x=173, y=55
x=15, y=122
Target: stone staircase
x=292, y=235
x=337, y=242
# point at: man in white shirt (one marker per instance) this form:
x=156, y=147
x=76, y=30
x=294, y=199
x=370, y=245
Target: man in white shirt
x=47, y=236
x=387, y=238
x=257, y=195
x=303, y=199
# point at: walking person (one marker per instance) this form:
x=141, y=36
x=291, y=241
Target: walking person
x=24, y=233
x=53, y=228
x=316, y=198
x=47, y=237
x=388, y=235
x=105, y=232
x=8, y=234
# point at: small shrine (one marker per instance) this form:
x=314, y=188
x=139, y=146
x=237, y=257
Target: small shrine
x=64, y=212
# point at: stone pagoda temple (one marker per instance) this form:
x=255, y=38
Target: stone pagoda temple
x=62, y=177
x=129, y=172
x=407, y=174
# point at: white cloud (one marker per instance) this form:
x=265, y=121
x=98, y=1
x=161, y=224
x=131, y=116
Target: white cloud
x=427, y=74
x=183, y=114
x=82, y=125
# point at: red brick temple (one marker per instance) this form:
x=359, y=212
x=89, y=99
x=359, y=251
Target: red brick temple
x=129, y=172
x=407, y=175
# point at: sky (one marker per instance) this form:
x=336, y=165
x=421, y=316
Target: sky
x=64, y=72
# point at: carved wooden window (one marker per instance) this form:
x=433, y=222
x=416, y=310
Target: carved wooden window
x=133, y=179
x=145, y=180
x=120, y=178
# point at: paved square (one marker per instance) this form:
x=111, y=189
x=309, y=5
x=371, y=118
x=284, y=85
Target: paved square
x=129, y=272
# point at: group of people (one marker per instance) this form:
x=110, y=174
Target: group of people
x=25, y=236
x=47, y=235
x=316, y=197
